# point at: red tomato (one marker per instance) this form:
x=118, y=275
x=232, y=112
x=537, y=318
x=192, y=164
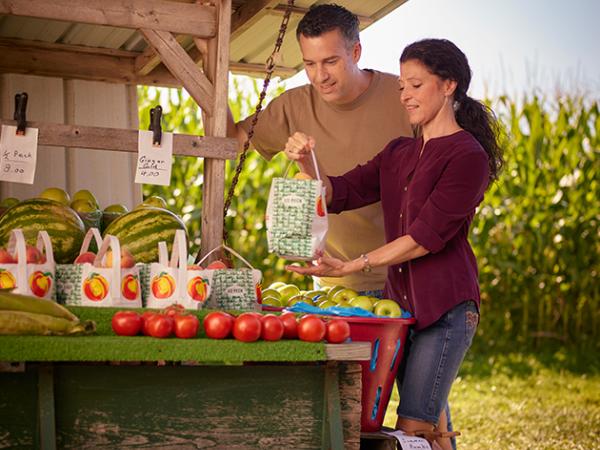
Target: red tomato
x=218, y=324
x=145, y=319
x=174, y=310
x=160, y=326
x=290, y=325
x=126, y=323
x=338, y=331
x=272, y=328
x=311, y=328
x=247, y=327
x=186, y=327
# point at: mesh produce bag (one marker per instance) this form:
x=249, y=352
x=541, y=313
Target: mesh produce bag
x=296, y=218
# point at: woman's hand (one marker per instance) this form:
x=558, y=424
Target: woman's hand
x=325, y=266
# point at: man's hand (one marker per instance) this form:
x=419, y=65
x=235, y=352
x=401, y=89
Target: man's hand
x=299, y=146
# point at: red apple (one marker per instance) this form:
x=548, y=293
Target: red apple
x=127, y=260
x=195, y=267
x=85, y=257
x=218, y=264
x=6, y=257
x=34, y=256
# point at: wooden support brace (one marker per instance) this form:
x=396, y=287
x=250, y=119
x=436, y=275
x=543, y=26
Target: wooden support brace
x=47, y=424
x=335, y=430
x=182, y=67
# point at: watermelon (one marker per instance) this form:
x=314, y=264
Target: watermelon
x=143, y=228
x=63, y=225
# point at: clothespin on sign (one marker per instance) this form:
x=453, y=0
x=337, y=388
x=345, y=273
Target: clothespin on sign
x=155, y=127
x=20, y=110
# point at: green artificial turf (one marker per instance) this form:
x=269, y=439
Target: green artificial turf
x=104, y=345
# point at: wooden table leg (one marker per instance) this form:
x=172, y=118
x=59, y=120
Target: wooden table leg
x=335, y=431
x=47, y=425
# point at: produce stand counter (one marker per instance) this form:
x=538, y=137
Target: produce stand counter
x=106, y=391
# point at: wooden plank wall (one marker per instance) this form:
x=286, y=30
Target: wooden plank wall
x=109, y=175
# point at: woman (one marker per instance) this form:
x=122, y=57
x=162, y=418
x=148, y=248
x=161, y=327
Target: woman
x=429, y=188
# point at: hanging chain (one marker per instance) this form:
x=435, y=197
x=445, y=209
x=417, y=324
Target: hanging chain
x=269, y=67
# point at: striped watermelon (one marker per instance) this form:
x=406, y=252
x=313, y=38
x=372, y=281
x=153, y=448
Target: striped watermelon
x=143, y=228
x=63, y=225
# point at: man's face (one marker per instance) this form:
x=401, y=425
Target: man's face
x=331, y=66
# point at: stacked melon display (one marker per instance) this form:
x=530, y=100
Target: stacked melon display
x=139, y=231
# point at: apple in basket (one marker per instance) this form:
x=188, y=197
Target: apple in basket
x=387, y=307
x=127, y=260
x=33, y=255
x=85, y=257
x=217, y=265
x=6, y=257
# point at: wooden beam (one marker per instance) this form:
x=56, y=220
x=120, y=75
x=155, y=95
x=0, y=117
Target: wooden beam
x=149, y=59
x=354, y=351
x=97, y=64
x=74, y=136
x=365, y=21
x=248, y=14
x=182, y=67
x=161, y=15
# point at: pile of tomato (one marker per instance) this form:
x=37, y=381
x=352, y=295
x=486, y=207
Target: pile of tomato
x=250, y=327
x=163, y=324
x=247, y=327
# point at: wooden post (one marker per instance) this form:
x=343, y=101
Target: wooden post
x=47, y=426
x=216, y=68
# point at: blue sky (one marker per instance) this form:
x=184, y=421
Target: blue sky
x=513, y=46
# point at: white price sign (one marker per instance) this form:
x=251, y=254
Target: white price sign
x=154, y=162
x=18, y=154
x=409, y=442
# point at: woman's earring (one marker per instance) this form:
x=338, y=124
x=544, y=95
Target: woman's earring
x=455, y=105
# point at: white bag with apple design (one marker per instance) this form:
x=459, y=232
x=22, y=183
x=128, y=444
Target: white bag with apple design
x=114, y=286
x=37, y=277
x=172, y=281
x=296, y=217
x=68, y=276
x=231, y=288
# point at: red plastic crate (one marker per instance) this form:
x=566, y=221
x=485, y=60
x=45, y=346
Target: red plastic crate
x=387, y=337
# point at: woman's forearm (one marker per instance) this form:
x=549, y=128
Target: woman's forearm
x=398, y=251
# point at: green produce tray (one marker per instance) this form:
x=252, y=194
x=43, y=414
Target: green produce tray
x=106, y=346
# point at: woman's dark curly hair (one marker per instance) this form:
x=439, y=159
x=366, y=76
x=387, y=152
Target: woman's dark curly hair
x=447, y=61
x=323, y=18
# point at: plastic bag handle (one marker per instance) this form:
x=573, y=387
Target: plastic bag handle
x=16, y=245
x=92, y=232
x=45, y=244
x=230, y=250
x=314, y=160
x=112, y=242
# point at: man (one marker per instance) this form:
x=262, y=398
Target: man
x=351, y=113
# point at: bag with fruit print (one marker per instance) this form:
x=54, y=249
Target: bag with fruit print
x=112, y=279
x=296, y=217
x=68, y=276
x=29, y=270
x=173, y=281
x=233, y=288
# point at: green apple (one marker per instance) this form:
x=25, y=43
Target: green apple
x=316, y=293
x=287, y=291
x=276, y=284
x=387, y=307
x=269, y=292
x=83, y=206
x=57, y=194
x=325, y=304
x=299, y=298
x=9, y=202
x=344, y=304
x=271, y=301
x=345, y=294
x=333, y=290
x=116, y=208
x=362, y=301
x=84, y=194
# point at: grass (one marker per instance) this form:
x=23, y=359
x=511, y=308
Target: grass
x=547, y=400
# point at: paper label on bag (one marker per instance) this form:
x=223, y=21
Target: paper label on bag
x=154, y=162
x=235, y=291
x=293, y=201
x=409, y=442
x=18, y=154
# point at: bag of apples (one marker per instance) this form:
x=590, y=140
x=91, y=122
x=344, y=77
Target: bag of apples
x=173, y=281
x=233, y=289
x=96, y=280
x=28, y=269
x=296, y=216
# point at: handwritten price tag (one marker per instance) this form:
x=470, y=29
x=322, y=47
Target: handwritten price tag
x=409, y=442
x=154, y=163
x=18, y=154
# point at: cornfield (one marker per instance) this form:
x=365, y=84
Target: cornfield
x=536, y=234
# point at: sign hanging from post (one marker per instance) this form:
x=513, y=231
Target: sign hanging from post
x=18, y=154
x=154, y=161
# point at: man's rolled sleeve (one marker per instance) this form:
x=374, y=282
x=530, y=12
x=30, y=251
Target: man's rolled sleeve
x=454, y=199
